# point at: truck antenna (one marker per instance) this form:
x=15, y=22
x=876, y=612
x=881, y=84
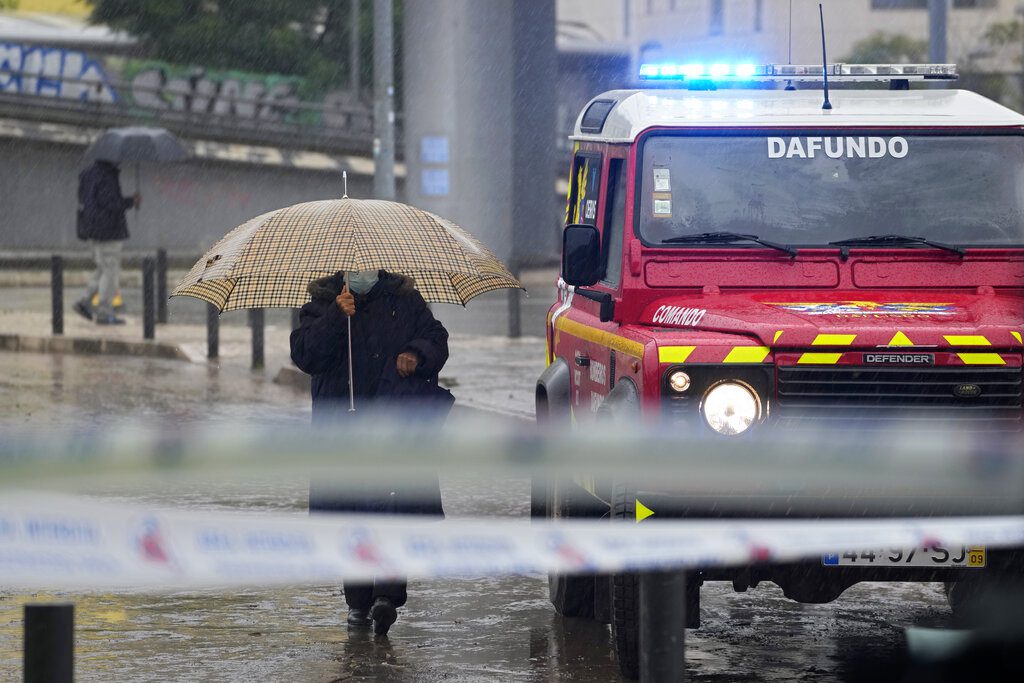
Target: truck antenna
x=790, y=31
x=789, y=84
x=824, y=60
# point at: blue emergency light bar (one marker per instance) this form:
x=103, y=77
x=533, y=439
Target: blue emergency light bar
x=744, y=72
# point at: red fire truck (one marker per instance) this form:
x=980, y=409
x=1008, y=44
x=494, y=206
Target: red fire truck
x=741, y=260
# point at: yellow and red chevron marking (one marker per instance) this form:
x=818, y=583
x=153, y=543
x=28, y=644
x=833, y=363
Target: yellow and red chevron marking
x=942, y=358
x=750, y=353
x=714, y=353
x=896, y=336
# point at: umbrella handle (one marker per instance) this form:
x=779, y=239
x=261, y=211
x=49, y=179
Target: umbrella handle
x=351, y=388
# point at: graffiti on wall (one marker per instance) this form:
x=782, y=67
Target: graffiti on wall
x=242, y=95
x=155, y=85
x=262, y=97
x=53, y=72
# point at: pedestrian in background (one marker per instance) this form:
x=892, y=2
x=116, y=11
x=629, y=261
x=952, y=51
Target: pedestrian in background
x=398, y=349
x=102, y=223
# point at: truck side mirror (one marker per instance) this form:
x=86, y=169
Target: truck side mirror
x=581, y=255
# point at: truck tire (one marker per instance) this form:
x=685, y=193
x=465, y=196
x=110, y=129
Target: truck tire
x=572, y=595
x=977, y=602
x=551, y=396
x=626, y=592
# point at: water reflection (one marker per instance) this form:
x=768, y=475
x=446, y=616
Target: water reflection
x=571, y=649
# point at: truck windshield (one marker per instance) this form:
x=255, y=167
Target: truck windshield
x=810, y=190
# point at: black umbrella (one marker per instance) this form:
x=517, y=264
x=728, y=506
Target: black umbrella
x=135, y=144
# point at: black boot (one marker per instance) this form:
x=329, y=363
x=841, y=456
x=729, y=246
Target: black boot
x=358, y=617
x=83, y=309
x=383, y=614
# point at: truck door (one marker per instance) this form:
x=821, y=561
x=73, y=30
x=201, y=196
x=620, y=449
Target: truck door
x=603, y=360
x=592, y=361
x=571, y=338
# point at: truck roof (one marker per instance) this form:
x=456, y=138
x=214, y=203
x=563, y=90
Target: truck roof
x=634, y=111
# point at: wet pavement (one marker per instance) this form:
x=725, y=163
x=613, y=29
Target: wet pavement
x=492, y=629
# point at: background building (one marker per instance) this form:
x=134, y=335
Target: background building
x=759, y=30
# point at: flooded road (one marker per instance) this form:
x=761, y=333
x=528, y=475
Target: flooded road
x=490, y=629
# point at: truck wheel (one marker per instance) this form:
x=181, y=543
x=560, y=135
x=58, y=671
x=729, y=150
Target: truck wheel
x=983, y=602
x=960, y=595
x=626, y=592
x=572, y=595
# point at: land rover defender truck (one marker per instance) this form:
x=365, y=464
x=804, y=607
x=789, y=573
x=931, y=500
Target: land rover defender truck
x=738, y=260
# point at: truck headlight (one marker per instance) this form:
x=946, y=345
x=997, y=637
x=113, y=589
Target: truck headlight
x=731, y=407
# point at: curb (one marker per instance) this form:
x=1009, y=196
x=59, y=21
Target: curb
x=91, y=346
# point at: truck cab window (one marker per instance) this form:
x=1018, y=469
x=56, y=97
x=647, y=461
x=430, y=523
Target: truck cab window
x=584, y=190
x=614, y=219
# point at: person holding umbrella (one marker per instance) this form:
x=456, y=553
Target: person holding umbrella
x=369, y=336
x=365, y=331
x=101, y=207
x=101, y=222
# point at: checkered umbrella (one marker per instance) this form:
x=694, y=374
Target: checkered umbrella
x=268, y=261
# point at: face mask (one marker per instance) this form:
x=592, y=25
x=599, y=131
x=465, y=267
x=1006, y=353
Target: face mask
x=361, y=281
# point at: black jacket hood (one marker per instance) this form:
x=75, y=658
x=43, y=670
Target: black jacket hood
x=328, y=288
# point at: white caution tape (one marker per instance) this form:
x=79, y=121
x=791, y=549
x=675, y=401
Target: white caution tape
x=56, y=542
x=938, y=472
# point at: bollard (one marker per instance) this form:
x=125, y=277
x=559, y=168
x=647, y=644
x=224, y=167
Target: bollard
x=256, y=322
x=515, y=314
x=49, y=655
x=57, y=293
x=212, y=331
x=148, y=314
x=662, y=626
x=161, y=286
x=515, y=308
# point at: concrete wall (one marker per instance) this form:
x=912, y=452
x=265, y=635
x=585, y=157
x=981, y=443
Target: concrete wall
x=480, y=131
x=483, y=152
x=186, y=207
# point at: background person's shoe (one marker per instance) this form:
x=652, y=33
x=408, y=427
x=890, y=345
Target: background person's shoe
x=117, y=303
x=359, y=617
x=82, y=309
x=109, y=320
x=383, y=614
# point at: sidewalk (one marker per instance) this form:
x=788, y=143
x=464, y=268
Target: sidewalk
x=484, y=372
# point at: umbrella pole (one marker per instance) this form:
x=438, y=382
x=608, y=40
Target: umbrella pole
x=351, y=388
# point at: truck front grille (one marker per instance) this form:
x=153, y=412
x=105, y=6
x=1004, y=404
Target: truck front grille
x=858, y=396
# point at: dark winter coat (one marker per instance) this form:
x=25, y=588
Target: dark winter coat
x=390, y=319
x=100, y=204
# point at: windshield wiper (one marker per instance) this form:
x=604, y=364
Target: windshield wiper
x=896, y=239
x=726, y=238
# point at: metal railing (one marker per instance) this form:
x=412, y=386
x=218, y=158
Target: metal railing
x=154, y=308
x=330, y=126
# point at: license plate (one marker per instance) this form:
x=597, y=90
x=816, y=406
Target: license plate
x=967, y=557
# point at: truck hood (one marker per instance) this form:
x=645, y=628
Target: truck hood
x=856, y=318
